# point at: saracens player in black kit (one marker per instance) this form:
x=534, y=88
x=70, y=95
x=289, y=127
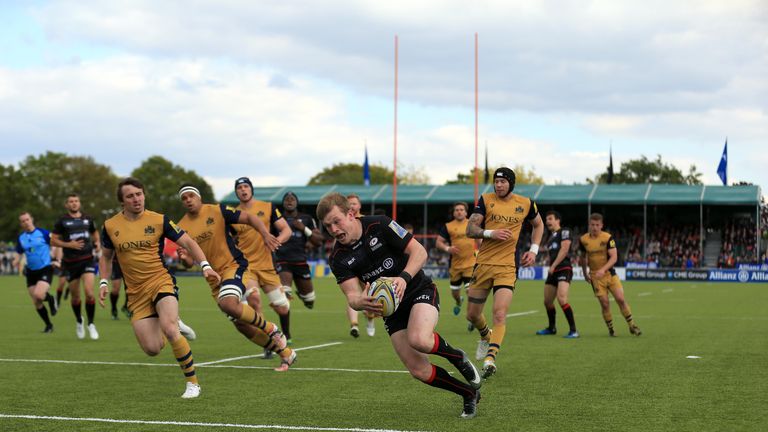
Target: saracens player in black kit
x=291, y=258
x=371, y=247
x=560, y=275
x=76, y=234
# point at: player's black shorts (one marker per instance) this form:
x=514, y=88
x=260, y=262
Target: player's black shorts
x=298, y=270
x=559, y=276
x=58, y=271
x=117, y=272
x=426, y=293
x=44, y=274
x=76, y=269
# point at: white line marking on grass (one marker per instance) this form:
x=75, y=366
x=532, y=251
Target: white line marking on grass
x=667, y=290
x=183, y=423
x=205, y=366
x=521, y=313
x=84, y=362
x=693, y=357
x=262, y=354
x=644, y=294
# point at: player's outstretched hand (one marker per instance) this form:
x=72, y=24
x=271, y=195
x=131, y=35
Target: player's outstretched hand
x=366, y=303
x=528, y=259
x=502, y=234
x=103, y=288
x=271, y=242
x=399, y=285
x=211, y=276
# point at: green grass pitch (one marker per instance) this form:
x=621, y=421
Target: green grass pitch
x=543, y=382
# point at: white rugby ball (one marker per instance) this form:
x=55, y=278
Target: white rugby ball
x=383, y=292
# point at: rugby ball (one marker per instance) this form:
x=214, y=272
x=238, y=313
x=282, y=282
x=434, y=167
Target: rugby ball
x=383, y=292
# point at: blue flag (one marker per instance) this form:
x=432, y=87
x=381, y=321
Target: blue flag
x=722, y=169
x=366, y=169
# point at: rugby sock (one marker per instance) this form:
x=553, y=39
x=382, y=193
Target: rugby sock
x=551, y=316
x=608, y=320
x=51, y=303
x=248, y=315
x=59, y=292
x=90, y=310
x=497, y=336
x=568, y=311
x=262, y=339
x=43, y=312
x=76, y=310
x=446, y=351
x=113, y=301
x=441, y=379
x=183, y=355
x=285, y=324
x=627, y=312
x=482, y=326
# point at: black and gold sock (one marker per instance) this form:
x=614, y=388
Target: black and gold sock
x=497, y=336
x=183, y=354
x=627, y=312
x=249, y=315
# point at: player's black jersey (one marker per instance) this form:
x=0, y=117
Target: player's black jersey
x=70, y=228
x=294, y=250
x=379, y=252
x=555, y=243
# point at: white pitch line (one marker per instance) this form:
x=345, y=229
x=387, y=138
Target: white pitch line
x=205, y=366
x=667, y=290
x=521, y=313
x=207, y=425
x=644, y=294
x=262, y=354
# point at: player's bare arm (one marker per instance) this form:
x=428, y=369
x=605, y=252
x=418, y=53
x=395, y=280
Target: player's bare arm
x=529, y=258
x=474, y=229
x=96, y=243
x=417, y=257
x=443, y=245
x=585, y=269
x=197, y=254
x=105, y=266
x=613, y=256
x=314, y=237
x=356, y=299
x=270, y=241
x=565, y=246
x=284, y=230
x=72, y=244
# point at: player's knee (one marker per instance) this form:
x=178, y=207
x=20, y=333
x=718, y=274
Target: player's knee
x=422, y=374
x=277, y=299
x=421, y=343
x=499, y=316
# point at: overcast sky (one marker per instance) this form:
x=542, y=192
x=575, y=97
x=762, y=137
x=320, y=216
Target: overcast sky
x=279, y=90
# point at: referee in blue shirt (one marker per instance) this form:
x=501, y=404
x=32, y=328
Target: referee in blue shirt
x=35, y=243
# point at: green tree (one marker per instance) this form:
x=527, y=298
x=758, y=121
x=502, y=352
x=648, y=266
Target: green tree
x=522, y=176
x=12, y=195
x=352, y=173
x=162, y=180
x=41, y=185
x=644, y=170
